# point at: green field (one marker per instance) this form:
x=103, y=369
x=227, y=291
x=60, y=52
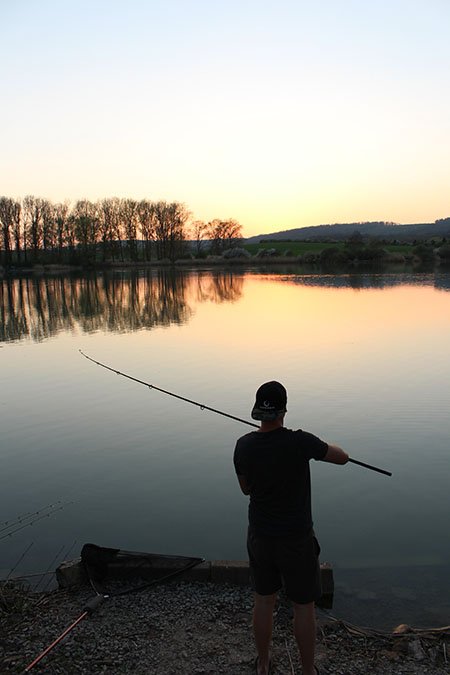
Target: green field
x=295, y=247
x=399, y=248
x=298, y=248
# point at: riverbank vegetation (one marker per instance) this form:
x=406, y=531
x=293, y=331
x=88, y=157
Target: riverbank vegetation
x=36, y=231
x=354, y=250
x=38, y=235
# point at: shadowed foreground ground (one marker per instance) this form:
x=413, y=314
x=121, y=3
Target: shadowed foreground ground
x=196, y=628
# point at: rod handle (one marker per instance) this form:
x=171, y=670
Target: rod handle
x=93, y=604
x=369, y=466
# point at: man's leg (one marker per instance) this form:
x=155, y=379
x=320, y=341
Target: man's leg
x=262, y=628
x=305, y=634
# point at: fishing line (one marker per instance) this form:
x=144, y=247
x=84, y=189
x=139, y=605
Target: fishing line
x=202, y=406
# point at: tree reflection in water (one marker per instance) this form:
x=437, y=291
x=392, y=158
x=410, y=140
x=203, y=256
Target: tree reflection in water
x=40, y=307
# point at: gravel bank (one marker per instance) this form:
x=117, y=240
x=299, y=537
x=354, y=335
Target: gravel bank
x=196, y=628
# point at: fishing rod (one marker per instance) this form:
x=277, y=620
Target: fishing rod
x=60, y=553
x=8, y=524
x=101, y=596
x=202, y=406
x=19, y=561
x=89, y=608
x=46, y=515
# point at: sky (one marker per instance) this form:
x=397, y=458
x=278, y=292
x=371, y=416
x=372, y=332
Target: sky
x=277, y=114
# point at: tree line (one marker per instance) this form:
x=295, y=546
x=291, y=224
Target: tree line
x=35, y=230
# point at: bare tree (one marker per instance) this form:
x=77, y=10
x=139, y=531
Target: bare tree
x=6, y=225
x=86, y=229
x=108, y=218
x=170, y=223
x=178, y=218
x=48, y=226
x=223, y=234
x=17, y=225
x=61, y=215
x=161, y=213
x=146, y=222
x=117, y=227
x=128, y=217
x=199, y=230
x=33, y=211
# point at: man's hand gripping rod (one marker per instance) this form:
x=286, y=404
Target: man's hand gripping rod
x=206, y=407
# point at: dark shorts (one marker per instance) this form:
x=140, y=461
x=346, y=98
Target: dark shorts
x=289, y=562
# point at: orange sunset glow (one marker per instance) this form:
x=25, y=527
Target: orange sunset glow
x=317, y=113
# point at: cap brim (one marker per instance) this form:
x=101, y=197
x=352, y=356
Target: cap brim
x=266, y=415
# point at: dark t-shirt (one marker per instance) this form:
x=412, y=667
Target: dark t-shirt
x=276, y=469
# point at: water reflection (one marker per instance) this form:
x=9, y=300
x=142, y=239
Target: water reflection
x=363, y=281
x=40, y=307
x=365, y=367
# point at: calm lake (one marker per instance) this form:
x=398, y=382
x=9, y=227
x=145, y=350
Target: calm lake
x=366, y=362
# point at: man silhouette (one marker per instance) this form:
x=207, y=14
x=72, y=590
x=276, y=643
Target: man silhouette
x=272, y=466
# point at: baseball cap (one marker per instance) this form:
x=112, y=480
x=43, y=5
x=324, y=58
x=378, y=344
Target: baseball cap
x=271, y=399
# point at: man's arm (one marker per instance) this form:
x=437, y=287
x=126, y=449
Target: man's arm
x=243, y=484
x=335, y=455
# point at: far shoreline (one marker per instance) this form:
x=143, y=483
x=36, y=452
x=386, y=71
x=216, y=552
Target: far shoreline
x=313, y=263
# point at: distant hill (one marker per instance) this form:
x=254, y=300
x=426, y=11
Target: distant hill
x=382, y=230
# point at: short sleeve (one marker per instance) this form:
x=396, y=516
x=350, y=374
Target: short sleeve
x=238, y=459
x=316, y=448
